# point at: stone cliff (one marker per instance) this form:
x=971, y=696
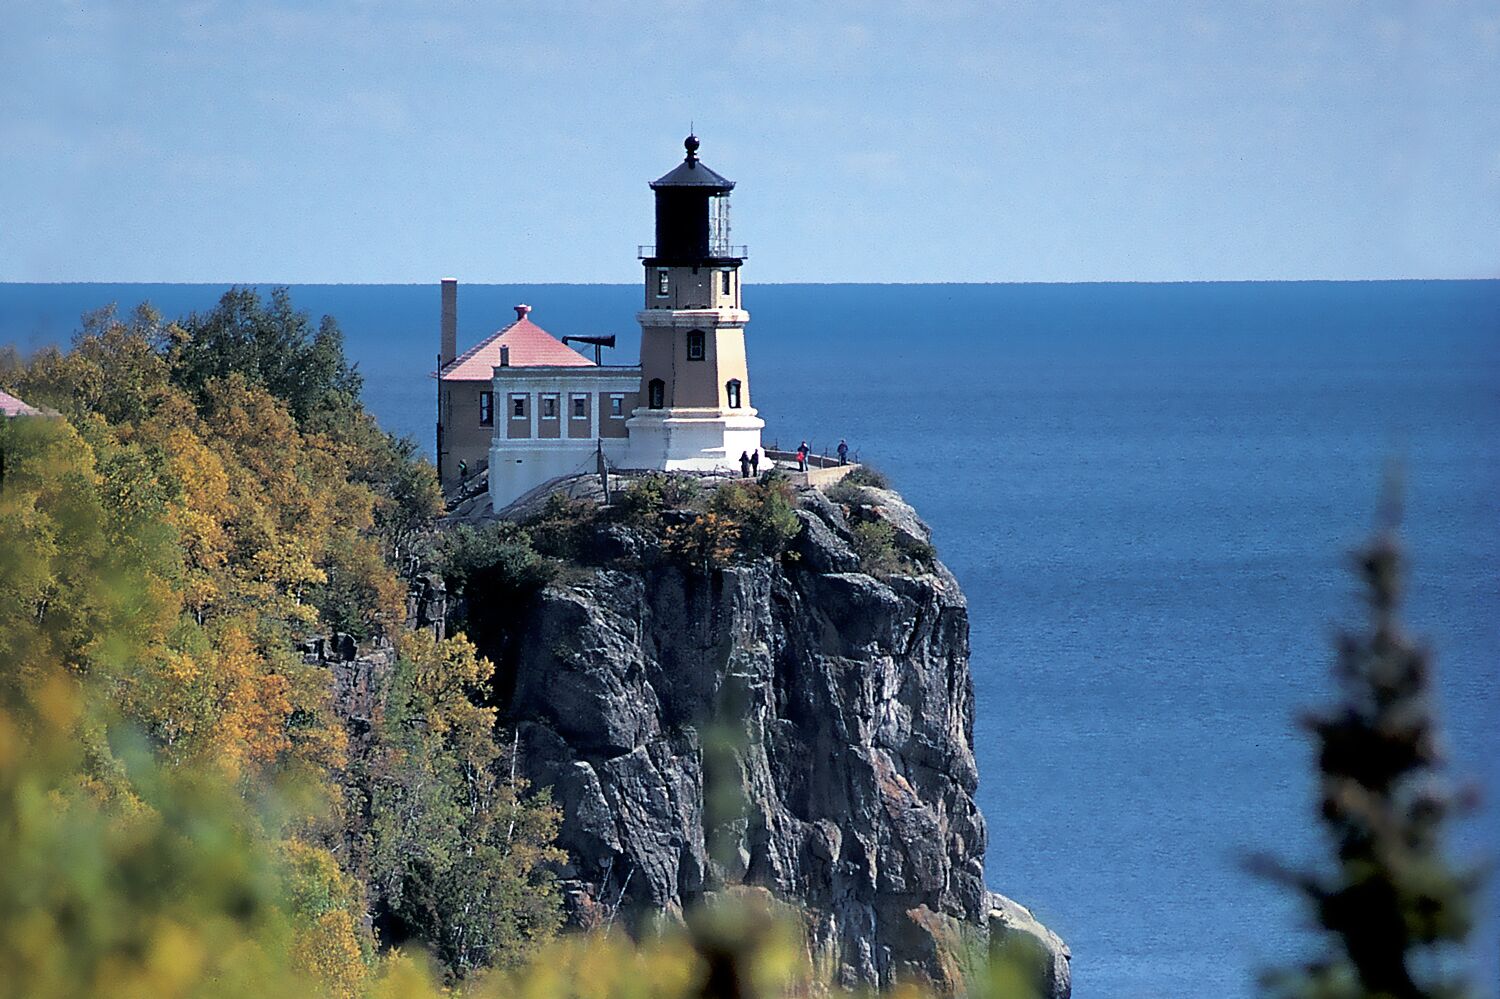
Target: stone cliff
x=840, y=705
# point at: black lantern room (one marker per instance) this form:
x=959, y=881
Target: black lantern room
x=692, y=216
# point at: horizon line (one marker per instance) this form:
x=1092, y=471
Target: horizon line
x=764, y=284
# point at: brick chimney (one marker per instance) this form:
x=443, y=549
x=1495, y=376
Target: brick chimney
x=449, y=344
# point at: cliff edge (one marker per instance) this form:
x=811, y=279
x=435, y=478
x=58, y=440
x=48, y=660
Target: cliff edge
x=836, y=696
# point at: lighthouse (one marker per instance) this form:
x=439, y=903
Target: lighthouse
x=522, y=409
x=694, y=410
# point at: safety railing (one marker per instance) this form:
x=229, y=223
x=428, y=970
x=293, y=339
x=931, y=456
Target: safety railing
x=738, y=251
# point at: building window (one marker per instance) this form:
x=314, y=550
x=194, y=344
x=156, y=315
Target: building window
x=732, y=390
x=617, y=406
x=726, y=282
x=549, y=407
x=580, y=407
x=656, y=393
x=696, y=345
x=518, y=407
x=486, y=409
x=663, y=283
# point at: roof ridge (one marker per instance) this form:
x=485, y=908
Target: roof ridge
x=526, y=339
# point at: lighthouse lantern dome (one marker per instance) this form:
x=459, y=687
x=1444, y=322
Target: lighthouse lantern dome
x=692, y=214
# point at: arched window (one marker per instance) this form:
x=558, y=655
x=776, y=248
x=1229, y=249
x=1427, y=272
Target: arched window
x=656, y=393
x=696, y=345
x=732, y=390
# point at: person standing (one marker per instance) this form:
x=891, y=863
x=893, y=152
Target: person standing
x=802, y=450
x=843, y=451
x=755, y=462
x=744, y=464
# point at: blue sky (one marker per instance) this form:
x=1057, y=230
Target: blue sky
x=922, y=141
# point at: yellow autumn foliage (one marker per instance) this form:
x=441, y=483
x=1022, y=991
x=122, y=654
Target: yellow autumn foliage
x=176, y=791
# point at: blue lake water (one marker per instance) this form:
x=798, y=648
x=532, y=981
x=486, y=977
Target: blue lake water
x=1149, y=493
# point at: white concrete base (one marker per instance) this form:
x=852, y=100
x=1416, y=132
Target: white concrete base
x=519, y=466
x=691, y=439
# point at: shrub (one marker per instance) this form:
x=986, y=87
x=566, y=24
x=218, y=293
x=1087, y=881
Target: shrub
x=845, y=492
x=499, y=554
x=763, y=512
x=875, y=545
x=563, y=528
x=643, y=500
x=498, y=564
x=864, y=475
x=707, y=542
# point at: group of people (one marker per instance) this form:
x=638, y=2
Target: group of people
x=750, y=461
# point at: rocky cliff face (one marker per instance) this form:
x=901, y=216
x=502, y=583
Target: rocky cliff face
x=845, y=708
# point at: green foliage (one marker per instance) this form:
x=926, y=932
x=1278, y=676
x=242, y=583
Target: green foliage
x=564, y=527
x=642, y=502
x=874, y=545
x=121, y=876
x=270, y=344
x=846, y=493
x=741, y=519
x=180, y=813
x=459, y=851
x=167, y=766
x=762, y=511
x=116, y=370
x=355, y=595
x=495, y=569
x=496, y=559
x=1395, y=909
x=404, y=486
x=864, y=475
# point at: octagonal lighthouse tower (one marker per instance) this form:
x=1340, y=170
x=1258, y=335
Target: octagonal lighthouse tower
x=694, y=410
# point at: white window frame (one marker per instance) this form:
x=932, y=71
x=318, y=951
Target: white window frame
x=702, y=344
x=552, y=398
x=574, y=400
x=617, y=407
x=663, y=282
x=524, y=399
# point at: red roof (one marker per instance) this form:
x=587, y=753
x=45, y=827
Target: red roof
x=530, y=347
x=11, y=406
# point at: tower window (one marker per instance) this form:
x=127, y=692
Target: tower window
x=549, y=407
x=663, y=283
x=580, y=407
x=732, y=390
x=486, y=409
x=617, y=405
x=696, y=345
x=726, y=282
x=656, y=393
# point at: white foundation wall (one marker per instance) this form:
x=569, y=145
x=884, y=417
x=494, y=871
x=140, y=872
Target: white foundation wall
x=688, y=440
x=517, y=467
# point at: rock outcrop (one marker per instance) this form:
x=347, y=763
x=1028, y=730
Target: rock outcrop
x=839, y=704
